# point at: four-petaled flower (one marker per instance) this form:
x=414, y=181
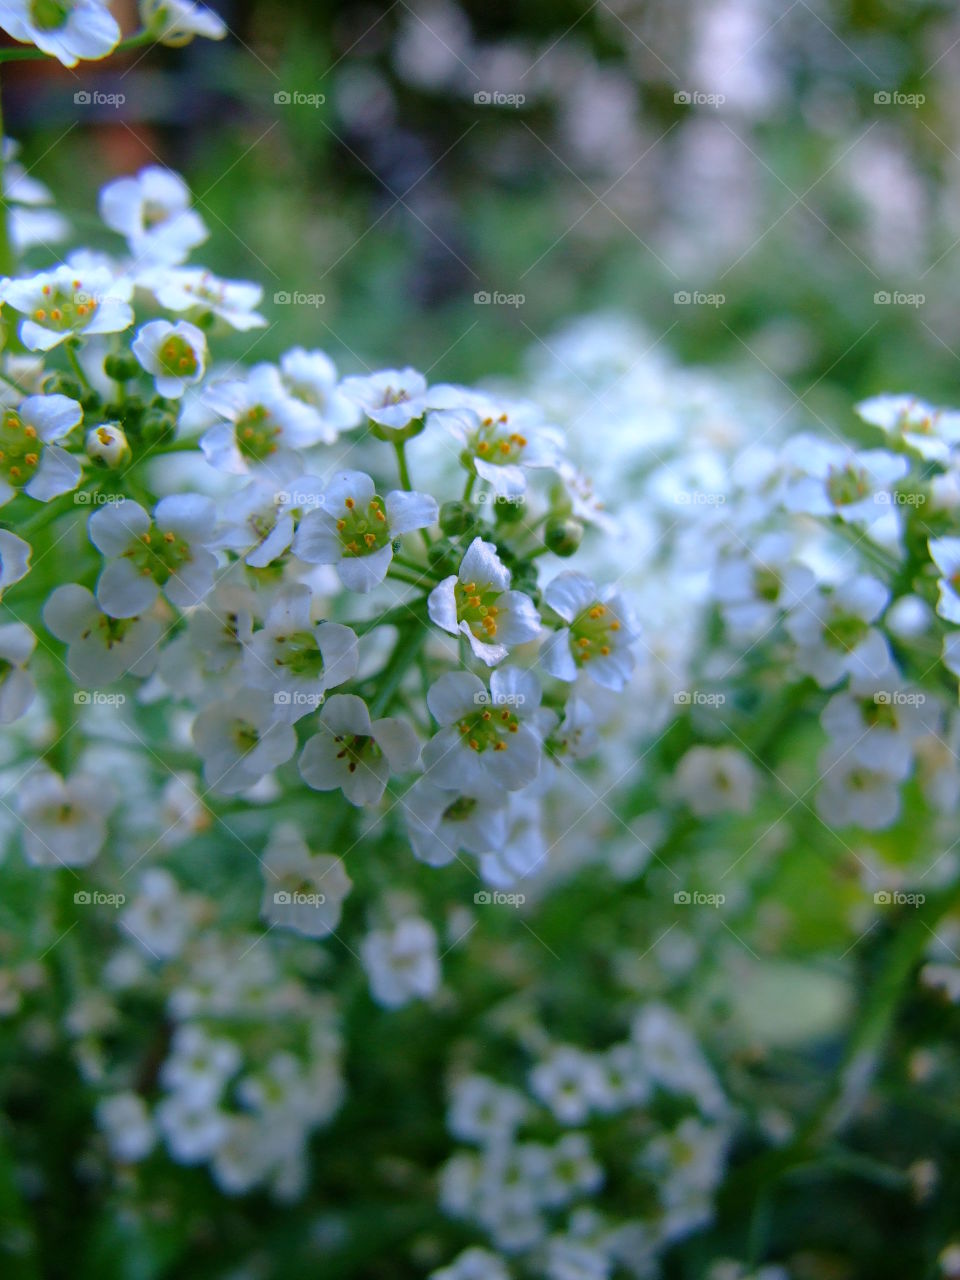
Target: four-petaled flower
x=174, y=354
x=29, y=460
x=478, y=603
x=597, y=638
x=67, y=302
x=152, y=211
x=68, y=30
x=355, y=753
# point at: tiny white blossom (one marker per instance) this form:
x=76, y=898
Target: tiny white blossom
x=101, y=648
x=945, y=553
x=931, y=432
x=68, y=30
x=355, y=753
x=392, y=398
x=402, y=962
x=126, y=1123
x=152, y=211
x=199, y=1065
x=17, y=690
x=354, y=529
x=108, y=444
x=600, y=630
x=834, y=479
x=63, y=821
x=833, y=632
x=311, y=376
x=500, y=440
x=241, y=739
x=302, y=890
x=176, y=22
x=854, y=794
x=716, y=780
x=198, y=291
x=483, y=1111
x=159, y=918
x=175, y=355
x=14, y=559
x=570, y=1082
x=477, y=603
x=261, y=423
x=192, y=1130
x=67, y=302
x=30, y=460
x=441, y=822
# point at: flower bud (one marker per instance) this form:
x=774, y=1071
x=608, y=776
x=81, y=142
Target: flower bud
x=108, y=445
x=564, y=536
x=121, y=366
x=156, y=426
x=456, y=518
x=508, y=510
x=61, y=384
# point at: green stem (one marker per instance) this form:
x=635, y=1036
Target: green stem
x=76, y=366
x=468, y=487
x=5, y=377
x=409, y=643
x=30, y=54
x=400, y=449
x=402, y=575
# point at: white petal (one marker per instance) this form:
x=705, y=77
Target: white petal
x=408, y=511
x=123, y=592
x=363, y=573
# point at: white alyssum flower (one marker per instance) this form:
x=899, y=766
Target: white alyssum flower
x=241, y=739
x=101, y=648
x=145, y=555
x=311, y=376
x=852, y=793
x=833, y=633
x=499, y=442
x=175, y=355
x=63, y=821
x=296, y=659
x=30, y=459
x=192, y=1130
x=485, y=1112
x=264, y=515
x=108, y=444
x=67, y=30
x=673, y=1059
x=570, y=1082
x=354, y=528
x=945, y=553
x=477, y=602
x=14, y=559
x=485, y=744
x=931, y=432
x=392, y=398
x=126, y=1124
x=715, y=780
x=176, y=22
x=356, y=754
x=152, y=211
x=302, y=890
x=598, y=636
x=17, y=690
x=877, y=726
x=402, y=962
x=760, y=582
x=159, y=918
x=68, y=302
x=473, y=1263
x=833, y=479
x=261, y=423
x=198, y=291
x=441, y=822
x=199, y=1065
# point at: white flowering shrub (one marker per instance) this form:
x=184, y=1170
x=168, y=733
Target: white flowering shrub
x=447, y=828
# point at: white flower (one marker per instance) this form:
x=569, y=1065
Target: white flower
x=192, y=1130
x=945, y=553
x=477, y=603
x=125, y=1121
x=145, y=556
x=878, y=726
x=441, y=822
x=63, y=821
x=29, y=460
x=931, y=432
x=263, y=517
x=311, y=376
x=355, y=753
x=402, y=963
x=152, y=211
x=176, y=22
x=523, y=849
x=834, y=479
x=570, y=1082
x=484, y=745
x=66, y=29
x=68, y=302
x=577, y=735
x=473, y=1264
x=261, y=423
x=108, y=444
x=297, y=659
x=302, y=891
x=199, y=1065
x=174, y=354
x=573, y=1170
x=854, y=794
x=241, y=739
x=197, y=290
x=716, y=780
x=159, y=919
x=355, y=528
x=392, y=398
x=17, y=690
x=672, y=1057
x=499, y=441
x=600, y=631
x=14, y=559
x=485, y=1112
x=761, y=581
x=101, y=648
x=832, y=631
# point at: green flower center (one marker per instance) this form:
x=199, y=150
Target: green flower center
x=845, y=631
x=178, y=358
x=847, y=486
x=489, y=729
x=363, y=530
x=493, y=443
x=590, y=632
x=257, y=434
x=354, y=747
x=245, y=735
x=49, y=15
x=461, y=809
x=158, y=554
x=19, y=450
x=65, y=312
x=112, y=630
x=301, y=654
x=477, y=607
x=767, y=584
